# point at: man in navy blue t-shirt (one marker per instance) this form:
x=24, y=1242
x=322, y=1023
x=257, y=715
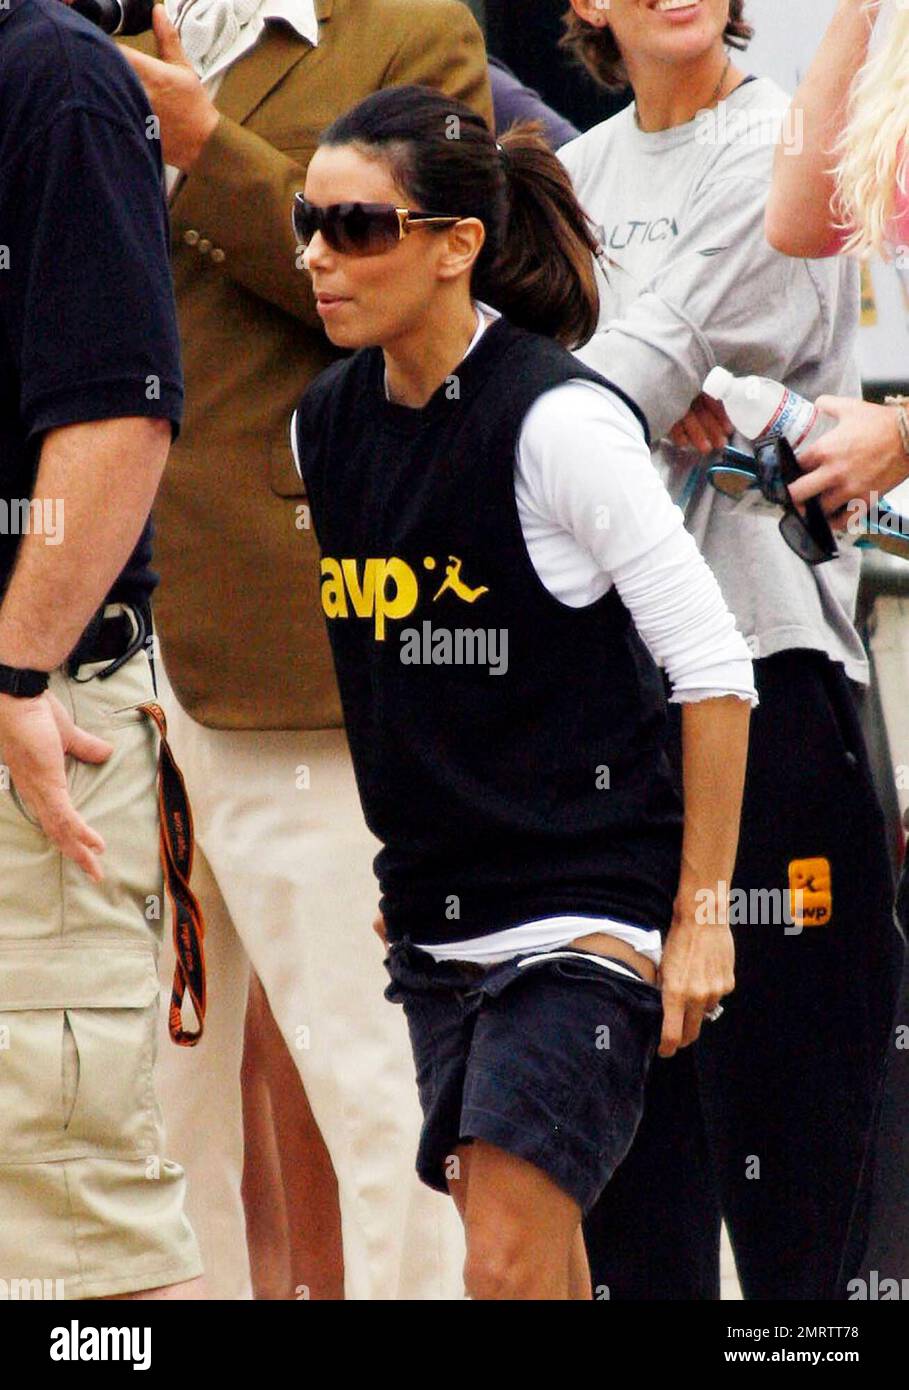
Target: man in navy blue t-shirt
x=90, y=396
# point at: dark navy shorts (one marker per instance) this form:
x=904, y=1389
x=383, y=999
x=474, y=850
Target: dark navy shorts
x=545, y=1058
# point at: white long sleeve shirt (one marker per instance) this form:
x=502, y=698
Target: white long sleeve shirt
x=594, y=514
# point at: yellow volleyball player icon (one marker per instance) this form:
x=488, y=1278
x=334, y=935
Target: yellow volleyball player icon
x=454, y=582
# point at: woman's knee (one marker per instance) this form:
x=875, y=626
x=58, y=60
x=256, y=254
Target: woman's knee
x=498, y=1265
x=506, y=1260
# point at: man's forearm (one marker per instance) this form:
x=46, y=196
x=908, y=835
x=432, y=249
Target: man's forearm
x=714, y=754
x=798, y=210
x=105, y=474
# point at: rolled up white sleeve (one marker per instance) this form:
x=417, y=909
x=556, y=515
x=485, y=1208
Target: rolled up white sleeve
x=583, y=466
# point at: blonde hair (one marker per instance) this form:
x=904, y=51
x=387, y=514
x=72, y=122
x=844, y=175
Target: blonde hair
x=873, y=151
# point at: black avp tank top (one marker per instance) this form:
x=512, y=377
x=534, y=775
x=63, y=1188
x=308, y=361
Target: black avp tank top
x=509, y=750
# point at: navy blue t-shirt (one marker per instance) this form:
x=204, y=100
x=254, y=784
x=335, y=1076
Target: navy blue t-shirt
x=87, y=319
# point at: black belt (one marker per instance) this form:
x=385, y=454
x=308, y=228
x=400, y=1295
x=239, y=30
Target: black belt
x=110, y=639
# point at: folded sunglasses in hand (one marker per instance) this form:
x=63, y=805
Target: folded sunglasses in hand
x=771, y=469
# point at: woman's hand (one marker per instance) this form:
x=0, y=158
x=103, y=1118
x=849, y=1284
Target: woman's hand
x=863, y=454
x=378, y=927
x=697, y=970
x=705, y=428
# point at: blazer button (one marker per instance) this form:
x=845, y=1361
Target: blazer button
x=190, y=237
x=217, y=255
x=204, y=246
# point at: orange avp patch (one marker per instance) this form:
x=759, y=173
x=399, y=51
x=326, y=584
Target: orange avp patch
x=810, y=892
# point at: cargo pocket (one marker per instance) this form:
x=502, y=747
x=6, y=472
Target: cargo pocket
x=31, y=1101
x=77, y=1047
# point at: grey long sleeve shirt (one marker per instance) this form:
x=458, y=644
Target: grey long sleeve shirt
x=694, y=283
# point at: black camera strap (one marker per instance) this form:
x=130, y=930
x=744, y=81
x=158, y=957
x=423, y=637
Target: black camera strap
x=177, y=861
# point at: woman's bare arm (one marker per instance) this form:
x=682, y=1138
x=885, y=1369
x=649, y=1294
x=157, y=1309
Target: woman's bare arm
x=799, y=214
x=698, y=959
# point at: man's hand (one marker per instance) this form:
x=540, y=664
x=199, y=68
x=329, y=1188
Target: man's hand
x=862, y=454
x=697, y=969
x=176, y=95
x=35, y=736
x=705, y=428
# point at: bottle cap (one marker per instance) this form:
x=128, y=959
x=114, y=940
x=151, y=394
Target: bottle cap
x=718, y=383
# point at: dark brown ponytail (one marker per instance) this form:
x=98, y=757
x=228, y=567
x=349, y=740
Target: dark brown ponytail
x=536, y=264
x=543, y=278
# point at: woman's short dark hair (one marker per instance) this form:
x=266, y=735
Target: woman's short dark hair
x=536, y=264
x=596, y=49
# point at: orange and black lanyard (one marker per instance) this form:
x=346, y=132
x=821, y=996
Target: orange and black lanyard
x=177, y=859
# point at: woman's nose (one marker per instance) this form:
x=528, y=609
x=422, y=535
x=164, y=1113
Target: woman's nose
x=316, y=253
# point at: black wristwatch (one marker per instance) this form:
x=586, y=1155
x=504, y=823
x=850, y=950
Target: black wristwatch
x=24, y=684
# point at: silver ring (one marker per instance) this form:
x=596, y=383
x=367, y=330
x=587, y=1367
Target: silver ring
x=714, y=1014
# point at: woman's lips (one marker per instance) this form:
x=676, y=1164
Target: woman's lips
x=683, y=12
x=328, y=303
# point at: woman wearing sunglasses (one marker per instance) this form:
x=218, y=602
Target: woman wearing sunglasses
x=498, y=556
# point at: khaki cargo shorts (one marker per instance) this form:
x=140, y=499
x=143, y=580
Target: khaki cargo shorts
x=87, y=1197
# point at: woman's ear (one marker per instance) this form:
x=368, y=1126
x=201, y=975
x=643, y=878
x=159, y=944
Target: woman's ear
x=463, y=244
x=595, y=12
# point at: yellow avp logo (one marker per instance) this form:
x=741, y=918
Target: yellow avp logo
x=385, y=588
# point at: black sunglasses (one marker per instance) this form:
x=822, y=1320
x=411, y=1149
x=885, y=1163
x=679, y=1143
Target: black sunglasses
x=360, y=229
x=773, y=467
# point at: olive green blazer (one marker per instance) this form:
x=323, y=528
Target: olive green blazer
x=238, y=609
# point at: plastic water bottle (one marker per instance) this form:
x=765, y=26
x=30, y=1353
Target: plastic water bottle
x=758, y=406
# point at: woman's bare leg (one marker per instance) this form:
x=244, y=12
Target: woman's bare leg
x=521, y=1229
x=295, y=1244
x=310, y=1183
x=579, y=1269
x=458, y=1178
x=263, y=1188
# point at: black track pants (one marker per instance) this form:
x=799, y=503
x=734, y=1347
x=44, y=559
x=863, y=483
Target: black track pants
x=769, y=1117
